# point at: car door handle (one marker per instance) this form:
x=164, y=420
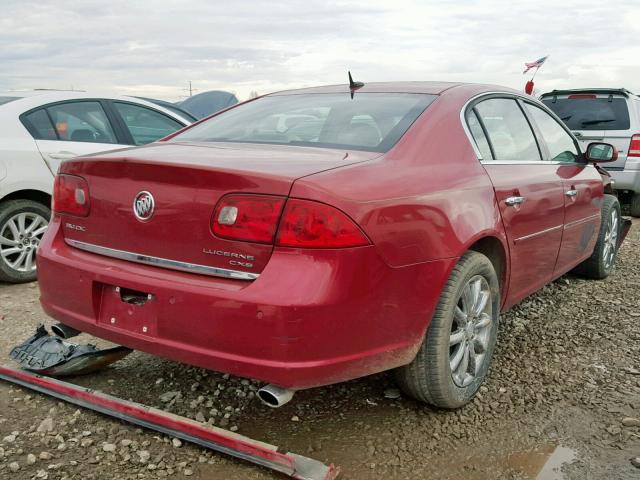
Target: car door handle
x=571, y=193
x=62, y=155
x=511, y=201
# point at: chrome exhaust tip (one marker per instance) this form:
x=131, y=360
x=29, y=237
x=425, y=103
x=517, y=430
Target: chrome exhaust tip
x=64, y=331
x=274, y=396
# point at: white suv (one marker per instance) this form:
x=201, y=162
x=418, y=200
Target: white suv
x=610, y=115
x=40, y=129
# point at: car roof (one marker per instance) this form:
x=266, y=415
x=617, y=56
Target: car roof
x=433, y=88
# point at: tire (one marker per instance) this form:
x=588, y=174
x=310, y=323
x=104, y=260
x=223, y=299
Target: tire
x=22, y=225
x=430, y=377
x=635, y=205
x=601, y=262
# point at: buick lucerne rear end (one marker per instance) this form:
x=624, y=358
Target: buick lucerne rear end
x=303, y=238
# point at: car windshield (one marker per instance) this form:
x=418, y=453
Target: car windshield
x=588, y=112
x=369, y=121
x=4, y=100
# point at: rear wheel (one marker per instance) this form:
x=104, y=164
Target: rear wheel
x=22, y=225
x=635, y=205
x=454, y=358
x=600, y=264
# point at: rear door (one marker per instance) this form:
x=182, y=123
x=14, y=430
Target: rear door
x=69, y=129
x=582, y=185
x=528, y=190
x=596, y=118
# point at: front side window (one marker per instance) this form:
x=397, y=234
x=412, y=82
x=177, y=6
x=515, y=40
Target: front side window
x=560, y=144
x=39, y=125
x=369, y=121
x=81, y=122
x=144, y=124
x=509, y=132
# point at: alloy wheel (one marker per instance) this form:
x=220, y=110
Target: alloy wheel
x=19, y=238
x=610, y=240
x=470, y=331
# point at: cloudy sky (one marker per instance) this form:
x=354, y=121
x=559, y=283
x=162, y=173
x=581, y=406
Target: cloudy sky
x=154, y=48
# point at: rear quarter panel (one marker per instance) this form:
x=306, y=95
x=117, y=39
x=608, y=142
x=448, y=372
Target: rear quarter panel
x=21, y=165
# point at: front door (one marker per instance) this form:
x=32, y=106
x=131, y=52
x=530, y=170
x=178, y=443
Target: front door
x=582, y=187
x=528, y=191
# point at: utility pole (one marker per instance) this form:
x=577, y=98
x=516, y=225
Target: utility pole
x=190, y=89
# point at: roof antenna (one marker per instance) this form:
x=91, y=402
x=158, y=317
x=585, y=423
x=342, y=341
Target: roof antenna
x=353, y=86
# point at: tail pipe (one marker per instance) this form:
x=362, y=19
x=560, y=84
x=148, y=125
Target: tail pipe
x=65, y=331
x=274, y=396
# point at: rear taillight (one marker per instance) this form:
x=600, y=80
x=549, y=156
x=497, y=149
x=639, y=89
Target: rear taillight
x=71, y=195
x=248, y=218
x=310, y=224
x=304, y=223
x=582, y=96
x=634, y=146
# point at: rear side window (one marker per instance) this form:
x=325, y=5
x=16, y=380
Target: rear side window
x=368, y=121
x=144, y=124
x=559, y=142
x=39, y=125
x=589, y=112
x=81, y=122
x=478, y=135
x=509, y=132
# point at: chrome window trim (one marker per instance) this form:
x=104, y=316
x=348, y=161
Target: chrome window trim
x=514, y=95
x=162, y=262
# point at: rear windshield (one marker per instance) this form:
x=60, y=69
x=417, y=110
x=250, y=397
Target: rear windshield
x=369, y=121
x=4, y=100
x=591, y=113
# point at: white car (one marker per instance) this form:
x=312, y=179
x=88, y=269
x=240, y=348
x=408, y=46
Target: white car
x=40, y=129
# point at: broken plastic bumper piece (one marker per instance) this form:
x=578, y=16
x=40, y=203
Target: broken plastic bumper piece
x=52, y=356
x=49, y=355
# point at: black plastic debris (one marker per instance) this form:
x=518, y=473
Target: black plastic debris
x=53, y=356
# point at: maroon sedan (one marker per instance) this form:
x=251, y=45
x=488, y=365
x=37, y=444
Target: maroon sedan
x=314, y=236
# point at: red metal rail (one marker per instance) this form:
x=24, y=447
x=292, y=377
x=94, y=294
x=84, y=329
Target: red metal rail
x=296, y=466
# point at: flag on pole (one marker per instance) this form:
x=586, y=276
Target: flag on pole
x=537, y=64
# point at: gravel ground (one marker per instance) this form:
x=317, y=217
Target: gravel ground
x=564, y=387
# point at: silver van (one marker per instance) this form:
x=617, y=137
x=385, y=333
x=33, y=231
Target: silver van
x=611, y=115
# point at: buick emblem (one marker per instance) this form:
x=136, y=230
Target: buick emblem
x=143, y=206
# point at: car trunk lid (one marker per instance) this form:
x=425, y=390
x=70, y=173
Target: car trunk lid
x=186, y=182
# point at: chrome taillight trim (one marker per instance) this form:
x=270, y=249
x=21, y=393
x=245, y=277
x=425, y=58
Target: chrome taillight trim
x=162, y=262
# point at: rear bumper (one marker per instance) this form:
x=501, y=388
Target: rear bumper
x=629, y=178
x=312, y=317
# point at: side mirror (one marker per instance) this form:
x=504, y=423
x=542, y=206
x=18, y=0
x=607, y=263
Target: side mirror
x=598, y=152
